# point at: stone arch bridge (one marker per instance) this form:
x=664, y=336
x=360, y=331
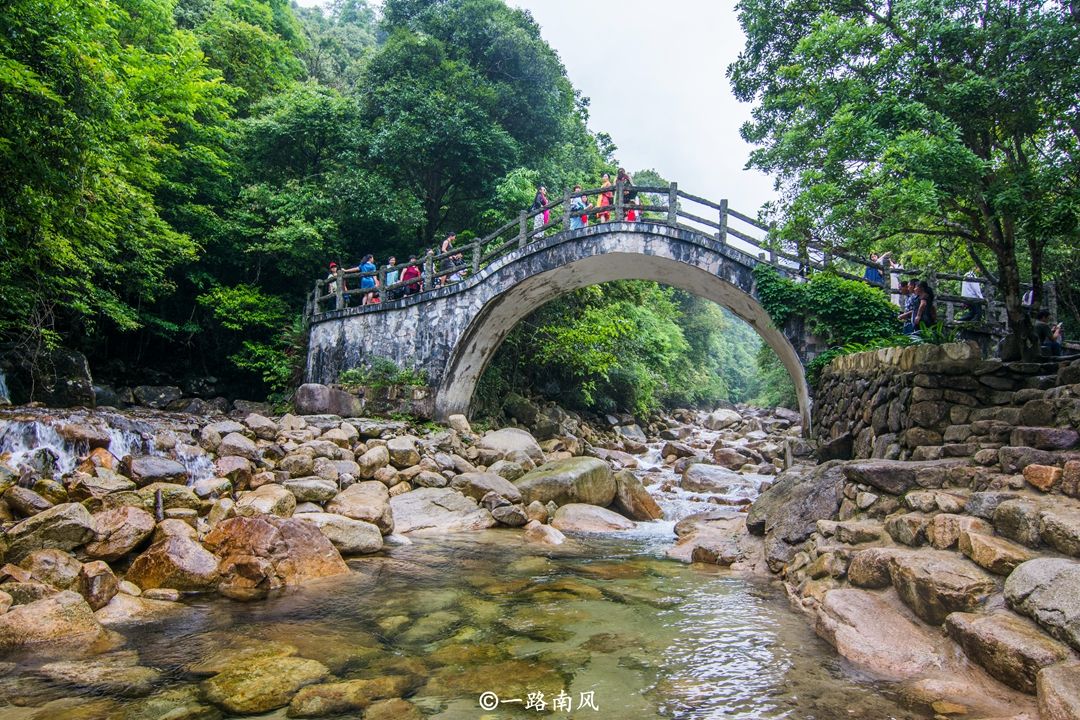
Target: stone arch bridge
x=452, y=327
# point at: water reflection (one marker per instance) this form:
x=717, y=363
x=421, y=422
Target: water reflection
x=450, y=619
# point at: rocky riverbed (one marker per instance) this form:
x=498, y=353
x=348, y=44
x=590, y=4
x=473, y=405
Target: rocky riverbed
x=390, y=568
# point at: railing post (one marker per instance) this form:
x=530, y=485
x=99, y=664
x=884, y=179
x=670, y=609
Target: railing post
x=523, y=229
x=673, y=204
x=566, y=210
x=477, y=247
x=1050, y=298
x=381, y=282
x=722, y=234
x=619, y=202
x=429, y=272
x=339, y=290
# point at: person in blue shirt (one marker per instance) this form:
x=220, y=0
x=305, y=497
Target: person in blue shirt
x=873, y=275
x=368, y=283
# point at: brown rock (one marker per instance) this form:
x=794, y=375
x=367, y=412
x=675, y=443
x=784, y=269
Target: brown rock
x=1058, y=688
x=347, y=696
x=908, y=528
x=368, y=501
x=870, y=568
x=393, y=709
x=270, y=499
x=63, y=620
x=1070, y=479
x=1059, y=527
x=25, y=502
x=63, y=527
x=866, y=629
x=236, y=469
x=934, y=583
x=261, y=553
x=1044, y=477
x=535, y=532
x=176, y=562
x=997, y=555
x=1010, y=648
x=262, y=685
x=579, y=517
x=633, y=500
x=52, y=567
x=119, y=531
x=944, y=529
x=97, y=583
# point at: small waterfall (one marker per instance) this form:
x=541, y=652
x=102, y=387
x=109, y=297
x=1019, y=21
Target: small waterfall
x=124, y=441
x=198, y=464
x=38, y=445
x=5, y=394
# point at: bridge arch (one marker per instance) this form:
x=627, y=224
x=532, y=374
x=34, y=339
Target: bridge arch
x=602, y=254
x=453, y=332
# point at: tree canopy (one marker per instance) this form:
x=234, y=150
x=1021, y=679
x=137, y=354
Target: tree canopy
x=947, y=125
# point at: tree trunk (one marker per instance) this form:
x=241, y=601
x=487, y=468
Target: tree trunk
x=1020, y=343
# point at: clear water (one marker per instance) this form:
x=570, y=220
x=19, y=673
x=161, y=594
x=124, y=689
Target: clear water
x=484, y=613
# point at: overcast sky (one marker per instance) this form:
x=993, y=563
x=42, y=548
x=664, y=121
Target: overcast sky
x=669, y=105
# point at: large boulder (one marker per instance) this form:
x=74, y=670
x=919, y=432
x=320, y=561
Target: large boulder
x=65, y=381
x=573, y=480
x=262, y=685
x=368, y=501
x=63, y=527
x=403, y=452
x=1047, y=590
x=509, y=443
x=52, y=567
x=316, y=399
x=540, y=534
x=349, y=536
x=896, y=477
x=867, y=629
x=158, y=397
x=147, y=469
x=269, y=499
x=582, y=518
x=787, y=513
x=1010, y=648
x=717, y=480
x=633, y=500
x=62, y=621
x=934, y=583
x=262, y=553
x=438, y=510
x=721, y=418
x=178, y=562
x=312, y=489
x=476, y=485
x=119, y=531
x=351, y=697
x=239, y=445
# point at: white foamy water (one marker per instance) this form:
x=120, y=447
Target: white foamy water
x=23, y=440
x=199, y=466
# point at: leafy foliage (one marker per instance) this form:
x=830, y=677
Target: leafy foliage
x=837, y=310
x=948, y=128
x=382, y=372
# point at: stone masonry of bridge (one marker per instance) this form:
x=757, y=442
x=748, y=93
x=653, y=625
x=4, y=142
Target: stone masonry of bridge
x=453, y=332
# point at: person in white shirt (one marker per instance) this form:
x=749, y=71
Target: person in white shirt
x=971, y=290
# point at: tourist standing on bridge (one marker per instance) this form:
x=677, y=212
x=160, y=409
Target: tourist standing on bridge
x=873, y=275
x=629, y=194
x=605, y=199
x=579, y=204
x=412, y=272
x=972, y=292
x=911, y=305
x=540, y=201
x=392, y=274
x=927, y=313
x=368, y=283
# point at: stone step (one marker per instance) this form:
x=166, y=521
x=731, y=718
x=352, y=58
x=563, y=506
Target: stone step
x=1010, y=648
x=1047, y=590
x=998, y=555
x=935, y=583
x=1059, y=692
x=897, y=477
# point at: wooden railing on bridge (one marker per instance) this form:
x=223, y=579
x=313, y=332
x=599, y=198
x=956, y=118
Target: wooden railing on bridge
x=655, y=205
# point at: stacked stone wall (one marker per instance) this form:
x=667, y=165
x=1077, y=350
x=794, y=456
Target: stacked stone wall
x=927, y=402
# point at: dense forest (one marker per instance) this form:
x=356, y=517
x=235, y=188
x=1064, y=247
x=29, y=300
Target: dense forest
x=179, y=172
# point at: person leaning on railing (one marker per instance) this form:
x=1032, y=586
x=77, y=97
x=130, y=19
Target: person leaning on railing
x=579, y=206
x=412, y=272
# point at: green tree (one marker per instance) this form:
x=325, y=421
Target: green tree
x=921, y=122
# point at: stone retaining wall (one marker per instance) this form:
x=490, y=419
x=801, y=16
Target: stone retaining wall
x=926, y=402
